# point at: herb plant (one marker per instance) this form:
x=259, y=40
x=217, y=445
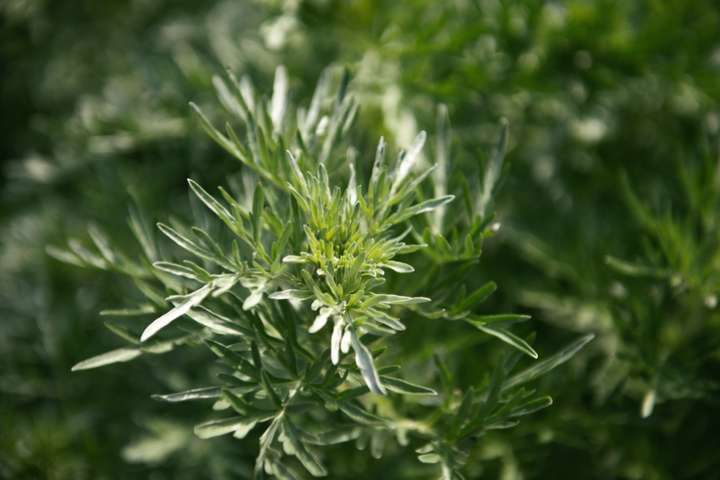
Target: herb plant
x=297, y=281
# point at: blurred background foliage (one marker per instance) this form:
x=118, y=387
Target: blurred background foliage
x=609, y=211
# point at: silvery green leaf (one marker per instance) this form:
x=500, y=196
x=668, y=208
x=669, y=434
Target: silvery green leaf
x=387, y=320
x=213, y=322
x=408, y=161
x=293, y=259
x=431, y=458
x=334, y=437
x=476, y=297
x=442, y=155
x=648, y=404
x=399, y=299
x=162, y=347
x=501, y=425
x=278, y=102
x=122, y=332
x=142, y=234
x=294, y=446
x=224, y=283
x=64, y=256
x=320, y=320
x=228, y=99
x=102, y=243
x=504, y=318
x=531, y=406
x=507, y=337
x=266, y=440
x=243, y=430
x=215, y=134
x=128, y=312
x=352, y=185
x=161, y=322
x=253, y=299
x=175, y=269
x=184, y=242
x=548, y=364
x=398, y=267
x=188, y=395
x=377, y=170
x=398, y=385
x=214, y=428
x=291, y=294
x=364, y=361
x=427, y=448
x=113, y=356
x=359, y=414
x=493, y=171
x=258, y=206
x=335, y=341
x=635, y=269
x=346, y=341
x=313, y=112
x=210, y=202
x=299, y=176
x=86, y=255
x=432, y=204
x=422, y=207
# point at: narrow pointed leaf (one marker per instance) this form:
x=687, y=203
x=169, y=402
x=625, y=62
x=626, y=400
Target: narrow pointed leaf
x=548, y=364
x=113, y=356
x=161, y=322
x=507, y=337
x=364, y=361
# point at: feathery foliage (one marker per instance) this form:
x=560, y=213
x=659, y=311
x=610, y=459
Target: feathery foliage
x=294, y=300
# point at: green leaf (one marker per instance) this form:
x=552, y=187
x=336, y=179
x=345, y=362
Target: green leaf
x=177, y=270
x=303, y=453
x=548, y=364
x=291, y=294
x=215, y=428
x=218, y=325
x=506, y=336
x=478, y=296
x=184, y=242
x=360, y=415
x=388, y=299
x=407, y=161
x=266, y=440
x=122, y=332
x=128, y=312
x=504, y=318
x=422, y=207
x=142, y=234
x=493, y=171
x=364, y=361
x=398, y=385
x=267, y=386
x=398, y=267
x=210, y=202
x=634, y=269
x=215, y=134
x=531, y=406
x=430, y=458
x=193, y=300
x=203, y=393
x=258, y=205
x=113, y=356
x=334, y=437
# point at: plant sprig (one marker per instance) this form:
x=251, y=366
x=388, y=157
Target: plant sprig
x=295, y=304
